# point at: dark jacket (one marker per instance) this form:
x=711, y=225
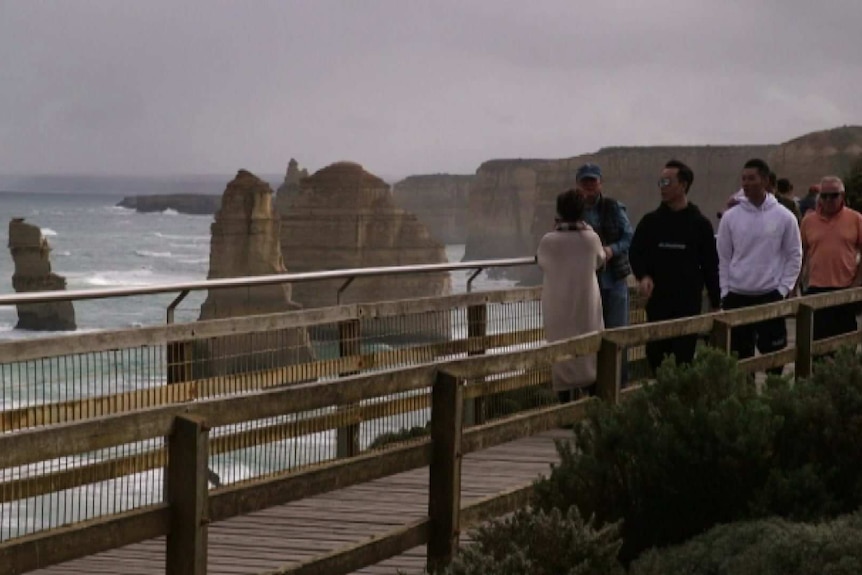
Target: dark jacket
x=677, y=249
x=608, y=218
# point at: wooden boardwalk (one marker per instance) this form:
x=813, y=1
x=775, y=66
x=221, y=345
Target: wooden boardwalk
x=279, y=536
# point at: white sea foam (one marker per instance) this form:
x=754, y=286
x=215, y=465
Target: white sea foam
x=149, y=254
x=132, y=278
x=194, y=261
x=192, y=238
x=63, y=253
x=48, y=232
x=171, y=212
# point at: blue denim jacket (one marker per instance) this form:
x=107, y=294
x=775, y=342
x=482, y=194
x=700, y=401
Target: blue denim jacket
x=591, y=216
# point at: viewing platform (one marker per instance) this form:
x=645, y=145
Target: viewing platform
x=171, y=449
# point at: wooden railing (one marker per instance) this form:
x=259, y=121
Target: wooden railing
x=189, y=506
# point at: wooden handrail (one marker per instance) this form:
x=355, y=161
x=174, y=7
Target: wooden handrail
x=448, y=445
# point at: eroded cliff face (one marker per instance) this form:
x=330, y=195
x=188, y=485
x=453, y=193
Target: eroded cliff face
x=512, y=203
x=31, y=256
x=245, y=242
x=440, y=201
x=344, y=217
x=806, y=159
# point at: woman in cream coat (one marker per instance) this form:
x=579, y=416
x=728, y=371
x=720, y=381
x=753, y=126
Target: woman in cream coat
x=571, y=301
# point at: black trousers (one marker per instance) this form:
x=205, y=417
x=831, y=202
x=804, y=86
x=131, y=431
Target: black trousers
x=682, y=348
x=768, y=336
x=833, y=321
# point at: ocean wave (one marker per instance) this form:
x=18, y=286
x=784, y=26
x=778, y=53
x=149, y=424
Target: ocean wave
x=170, y=212
x=48, y=232
x=133, y=278
x=194, y=261
x=194, y=239
x=149, y=254
x=63, y=254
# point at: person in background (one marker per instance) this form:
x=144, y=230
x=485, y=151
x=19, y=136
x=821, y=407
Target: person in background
x=784, y=194
x=759, y=259
x=571, y=301
x=608, y=218
x=831, y=242
x=673, y=256
x=809, y=202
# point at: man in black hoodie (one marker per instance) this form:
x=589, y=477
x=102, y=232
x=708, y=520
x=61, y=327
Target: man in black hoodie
x=673, y=257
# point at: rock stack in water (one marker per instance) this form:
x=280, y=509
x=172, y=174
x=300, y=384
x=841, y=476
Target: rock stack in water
x=245, y=242
x=344, y=217
x=31, y=255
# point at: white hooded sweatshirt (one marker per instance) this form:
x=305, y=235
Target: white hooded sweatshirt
x=759, y=249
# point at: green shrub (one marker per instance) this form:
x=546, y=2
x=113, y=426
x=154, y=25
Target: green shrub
x=534, y=542
x=399, y=436
x=765, y=547
x=818, y=466
x=687, y=453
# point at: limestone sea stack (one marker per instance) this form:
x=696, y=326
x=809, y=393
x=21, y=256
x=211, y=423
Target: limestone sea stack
x=345, y=217
x=31, y=256
x=245, y=242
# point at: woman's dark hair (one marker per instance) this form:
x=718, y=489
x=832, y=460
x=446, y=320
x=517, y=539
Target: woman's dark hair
x=570, y=206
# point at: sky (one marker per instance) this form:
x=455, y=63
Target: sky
x=166, y=87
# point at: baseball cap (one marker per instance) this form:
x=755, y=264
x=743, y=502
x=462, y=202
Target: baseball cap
x=588, y=171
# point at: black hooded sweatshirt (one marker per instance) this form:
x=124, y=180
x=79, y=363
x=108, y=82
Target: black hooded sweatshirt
x=676, y=249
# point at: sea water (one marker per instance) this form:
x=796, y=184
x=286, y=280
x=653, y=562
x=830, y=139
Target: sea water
x=96, y=244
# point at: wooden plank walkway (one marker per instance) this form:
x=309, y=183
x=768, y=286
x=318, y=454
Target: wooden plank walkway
x=279, y=536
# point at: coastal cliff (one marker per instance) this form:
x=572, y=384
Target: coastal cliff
x=440, y=201
x=31, y=255
x=512, y=203
x=195, y=204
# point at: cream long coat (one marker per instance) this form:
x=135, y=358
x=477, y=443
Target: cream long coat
x=571, y=300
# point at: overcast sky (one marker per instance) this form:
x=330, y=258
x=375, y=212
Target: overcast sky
x=410, y=86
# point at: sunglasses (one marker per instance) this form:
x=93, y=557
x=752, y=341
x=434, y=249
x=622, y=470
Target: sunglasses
x=829, y=196
x=664, y=182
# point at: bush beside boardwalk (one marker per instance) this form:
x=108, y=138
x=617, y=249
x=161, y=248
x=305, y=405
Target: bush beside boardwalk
x=698, y=449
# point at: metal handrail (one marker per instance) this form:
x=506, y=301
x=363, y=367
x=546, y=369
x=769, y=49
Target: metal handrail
x=350, y=274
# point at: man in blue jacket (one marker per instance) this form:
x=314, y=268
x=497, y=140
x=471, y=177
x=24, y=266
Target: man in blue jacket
x=608, y=218
x=673, y=257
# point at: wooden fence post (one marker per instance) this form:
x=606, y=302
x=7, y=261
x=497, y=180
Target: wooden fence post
x=477, y=326
x=349, y=337
x=720, y=337
x=444, y=490
x=187, y=495
x=804, y=340
x=609, y=371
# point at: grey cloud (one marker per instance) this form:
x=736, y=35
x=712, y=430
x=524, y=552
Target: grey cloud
x=409, y=87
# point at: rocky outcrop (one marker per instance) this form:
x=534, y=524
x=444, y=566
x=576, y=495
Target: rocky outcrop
x=31, y=255
x=440, y=201
x=806, y=159
x=245, y=242
x=195, y=204
x=289, y=188
x=344, y=217
x=512, y=201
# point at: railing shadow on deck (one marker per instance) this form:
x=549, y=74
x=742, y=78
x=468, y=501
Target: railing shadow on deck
x=184, y=426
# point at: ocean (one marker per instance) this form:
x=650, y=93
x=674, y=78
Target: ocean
x=96, y=244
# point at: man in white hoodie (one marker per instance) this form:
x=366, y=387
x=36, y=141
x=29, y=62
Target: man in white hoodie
x=759, y=259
